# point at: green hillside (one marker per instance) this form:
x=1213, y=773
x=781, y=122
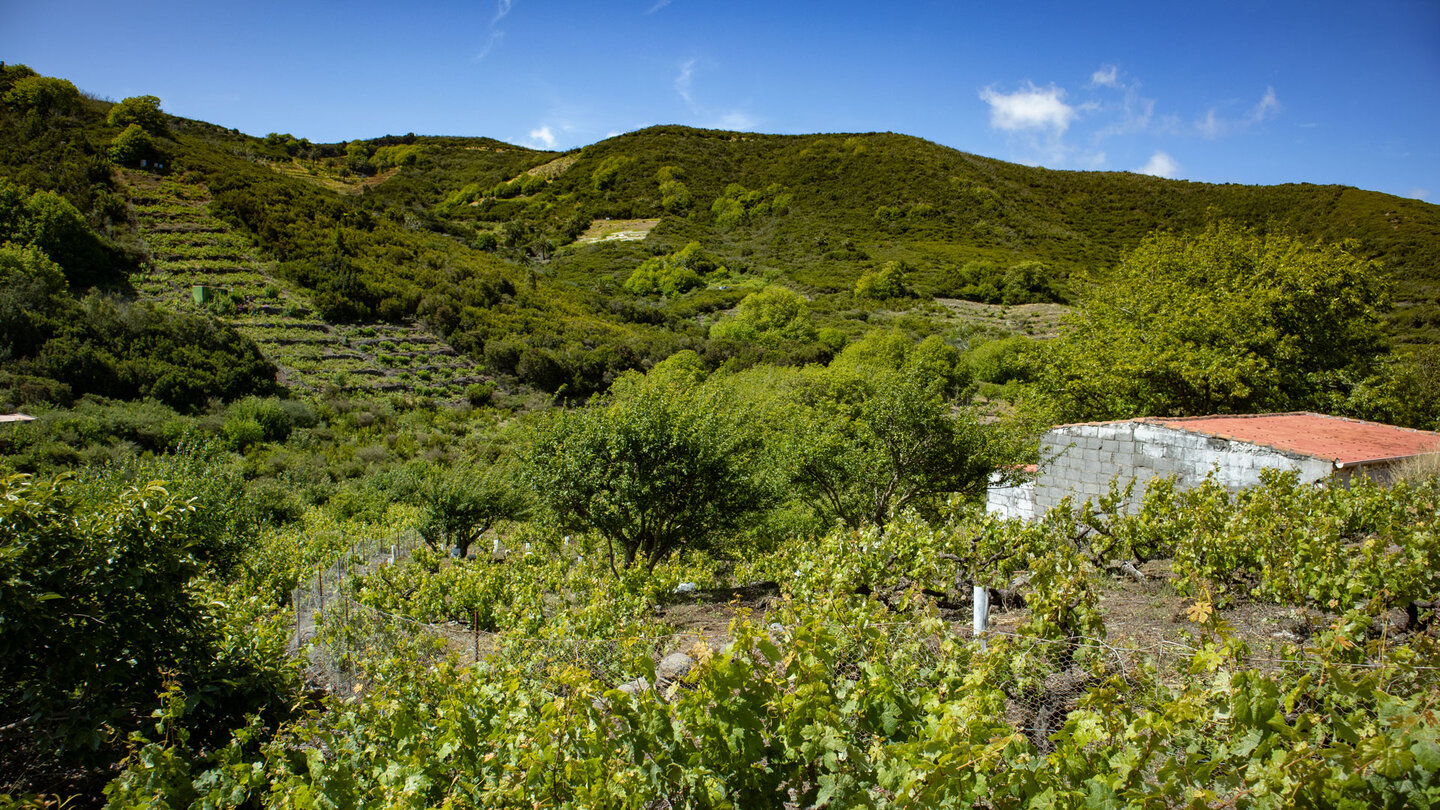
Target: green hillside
x=855, y=200
x=480, y=242
x=432, y=471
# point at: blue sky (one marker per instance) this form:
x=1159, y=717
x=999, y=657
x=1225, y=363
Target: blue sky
x=1247, y=92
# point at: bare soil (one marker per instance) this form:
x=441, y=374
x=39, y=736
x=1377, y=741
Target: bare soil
x=602, y=230
x=1147, y=616
x=1040, y=321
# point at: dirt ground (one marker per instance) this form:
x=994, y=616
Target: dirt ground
x=632, y=230
x=708, y=612
x=1148, y=615
x=1039, y=321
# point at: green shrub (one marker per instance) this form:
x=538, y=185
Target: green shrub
x=271, y=503
x=480, y=394
x=1000, y=361
x=886, y=282
x=253, y=420
x=131, y=146
x=141, y=111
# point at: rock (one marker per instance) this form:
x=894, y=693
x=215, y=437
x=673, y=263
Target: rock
x=634, y=687
x=674, y=666
x=685, y=587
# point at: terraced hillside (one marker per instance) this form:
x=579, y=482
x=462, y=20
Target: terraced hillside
x=190, y=249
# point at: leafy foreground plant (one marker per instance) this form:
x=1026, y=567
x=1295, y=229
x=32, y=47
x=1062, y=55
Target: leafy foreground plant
x=835, y=699
x=106, y=603
x=839, y=700
x=848, y=709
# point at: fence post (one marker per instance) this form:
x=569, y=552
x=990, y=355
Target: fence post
x=982, y=613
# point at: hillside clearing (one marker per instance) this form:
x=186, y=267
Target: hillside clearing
x=618, y=230
x=1041, y=321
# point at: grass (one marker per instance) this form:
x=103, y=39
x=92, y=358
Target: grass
x=1418, y=469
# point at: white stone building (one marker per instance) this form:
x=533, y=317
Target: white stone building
x=1083, y=459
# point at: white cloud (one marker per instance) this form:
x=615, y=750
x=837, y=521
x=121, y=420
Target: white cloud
x=1031, y=108
x=684, y=80
x=1267, y=107
x=1136, y=114
x=1161, y=165
x=542, y=136
x=1106, y=76
x=659, y=4
x=705, y=115
x=1211, y=126
x=735, y=119
x=1214, y=125
x=495, y=37
x=1420, y=193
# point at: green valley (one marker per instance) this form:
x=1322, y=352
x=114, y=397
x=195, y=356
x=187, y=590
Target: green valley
x=436, y=471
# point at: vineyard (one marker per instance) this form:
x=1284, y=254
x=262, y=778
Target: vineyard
x=847, y=675
x=439, y=472
x=191, y=248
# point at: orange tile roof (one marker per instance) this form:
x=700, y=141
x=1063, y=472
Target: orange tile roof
x=1344, y=441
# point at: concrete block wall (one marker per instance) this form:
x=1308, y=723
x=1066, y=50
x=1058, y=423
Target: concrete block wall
x=1084, y=459
x=1012, y=502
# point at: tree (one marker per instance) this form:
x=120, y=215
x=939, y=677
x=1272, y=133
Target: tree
x=771, y=315
x=44, y=95
x=1229, y=320
x=1405, y=391
x=357, y=158
x=662, y=464
x=141, y=111
x=867, y=446
x=462, y=504
x=887, y=282
x=675, y=197
x=51, y=223
x=131, y=146
x=35, y=300
x=675, y=273
x=98, y=598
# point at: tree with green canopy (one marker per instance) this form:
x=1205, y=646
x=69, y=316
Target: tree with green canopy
x=141, y=111
x=662, y=463
x=132, y=145
x=1229, y=320
x=889, y=281
x=105, y=600
x=882, y=429
x=462, y=504
x=44, y=95
x=771, y=315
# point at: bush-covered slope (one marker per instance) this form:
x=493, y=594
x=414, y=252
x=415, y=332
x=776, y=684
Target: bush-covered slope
x=854, y=200
x=478, y=238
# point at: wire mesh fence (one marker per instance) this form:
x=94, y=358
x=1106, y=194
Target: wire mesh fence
x=332, y=629
x=1043, y=680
